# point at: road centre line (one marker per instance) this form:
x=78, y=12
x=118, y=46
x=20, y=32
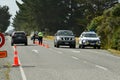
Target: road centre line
x=76, y=51
x=75, y=58
x=101, y=67
x=22, y=72
x=36, y=51
x=60, y=52
x=56, y=51
x=21, y=69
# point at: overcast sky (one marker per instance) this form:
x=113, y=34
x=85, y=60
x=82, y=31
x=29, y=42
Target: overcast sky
x=12, y=7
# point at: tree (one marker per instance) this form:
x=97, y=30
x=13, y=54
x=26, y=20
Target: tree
x=59, y=14
x=108, y=27
x=4, y=18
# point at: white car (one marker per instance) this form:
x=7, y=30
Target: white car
x=89, y=39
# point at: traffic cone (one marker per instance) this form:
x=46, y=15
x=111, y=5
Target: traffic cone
x=15, y=52
x=43, y=45
x=40, y=44
x=15, y=46
x=16, y=61
x=47, y=46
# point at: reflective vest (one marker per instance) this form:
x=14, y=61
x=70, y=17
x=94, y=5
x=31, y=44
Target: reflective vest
x=40, y=34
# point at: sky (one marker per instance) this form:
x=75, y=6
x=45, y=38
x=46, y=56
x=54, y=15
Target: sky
x=12, y=8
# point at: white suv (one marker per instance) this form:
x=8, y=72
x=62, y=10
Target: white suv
x=89, y=39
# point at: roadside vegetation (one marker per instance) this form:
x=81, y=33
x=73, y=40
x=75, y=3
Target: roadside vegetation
x=4, y=18
x=52, y=15
x=101, y=16
x=108, y=27
x=4, y=70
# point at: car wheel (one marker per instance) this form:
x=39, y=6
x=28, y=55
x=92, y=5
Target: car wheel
x=94, y=47
x=98, y=47
x=82, y=46
x=74, y=46
x=70, y=46
x=79, y=46
x=54, y=45
x=26, y=43
x=57, y=45
x=12, y=44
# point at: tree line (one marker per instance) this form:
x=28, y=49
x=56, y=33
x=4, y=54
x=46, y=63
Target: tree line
x=108, y=27
x=102, y=16
x=4, y=18
x=51, y=15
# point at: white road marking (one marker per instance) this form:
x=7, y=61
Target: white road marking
x=14, y=48
x=50, y=49
x=101, y=67
x=85, y=61
x=75, y=58
x=36, y=51
x=60, y=52
x=76, y=51
x=22, y=72
x=21, y=69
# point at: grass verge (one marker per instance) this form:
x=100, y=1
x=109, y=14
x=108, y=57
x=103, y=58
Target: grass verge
x=114, y=52
x=4, y=70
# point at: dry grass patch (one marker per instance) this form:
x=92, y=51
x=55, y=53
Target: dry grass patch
x=49, y=37
x=115, y=52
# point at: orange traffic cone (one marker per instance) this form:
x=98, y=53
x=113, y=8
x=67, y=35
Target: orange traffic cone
x=40, y=44
x=43, y=45
x=15, y=52
x=15, y=46
x=47, y=46
x=16, y=61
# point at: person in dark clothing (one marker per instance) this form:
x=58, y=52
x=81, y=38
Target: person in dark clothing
x=35, y=36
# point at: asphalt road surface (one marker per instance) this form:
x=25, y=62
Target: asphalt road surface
x=64, y=63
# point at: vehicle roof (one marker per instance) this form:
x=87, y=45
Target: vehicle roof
x=89, y=32
x=19, y=31
x=63, y=30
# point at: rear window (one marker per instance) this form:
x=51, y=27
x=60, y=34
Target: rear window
x=19, y=34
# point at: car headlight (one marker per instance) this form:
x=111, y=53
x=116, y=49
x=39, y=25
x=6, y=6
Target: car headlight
x=83, y=41
x=73, y=38
x=58, y=38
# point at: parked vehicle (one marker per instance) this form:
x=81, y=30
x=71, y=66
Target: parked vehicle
x=19, y=37
x=64, y=38
x=90, y=39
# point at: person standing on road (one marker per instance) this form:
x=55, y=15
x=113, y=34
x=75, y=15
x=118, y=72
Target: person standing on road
x=35, y=36
x=40, y=35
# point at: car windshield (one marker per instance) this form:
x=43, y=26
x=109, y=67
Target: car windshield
x=65, y=33
x=90, y=35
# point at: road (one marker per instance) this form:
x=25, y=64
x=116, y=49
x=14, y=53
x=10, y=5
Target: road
x=64, y=63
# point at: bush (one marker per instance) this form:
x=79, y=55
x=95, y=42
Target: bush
x=116, y=40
